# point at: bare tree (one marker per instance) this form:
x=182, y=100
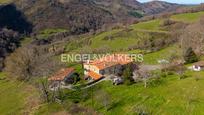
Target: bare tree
x=27, y=62
x=43, y=86
x=180, y=70
x=18, y=64
x=142, y=75
x=193, y=36
x=104, y=98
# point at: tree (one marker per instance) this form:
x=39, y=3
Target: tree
x=104, y=98
x=43, y=86
x=9, y=41
x=193, y=37
x=19, y=64
x=168, y=22
x=142, y=75
x=127, y=74
x=180, y=70
x=31, y=61
x=190, y=56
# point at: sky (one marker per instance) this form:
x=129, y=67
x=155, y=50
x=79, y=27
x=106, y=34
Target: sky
x=179, y=1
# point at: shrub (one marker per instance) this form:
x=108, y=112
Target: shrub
x=190, y=56
x=168, y=22
x=156, y=82
x=163, y=75
x=183, y=76
x=136, y=14
x=197, y=78
x=127, y=74
x=170, y=73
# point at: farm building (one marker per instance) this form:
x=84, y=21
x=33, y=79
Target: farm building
x=107, y=65
x=64, y=76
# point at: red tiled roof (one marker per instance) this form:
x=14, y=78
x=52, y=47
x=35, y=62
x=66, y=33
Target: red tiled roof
x=111, y=60
x=104, y=65
x=60, y=75
x=94, y=75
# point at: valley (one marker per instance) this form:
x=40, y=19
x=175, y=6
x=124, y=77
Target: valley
x=153, y=29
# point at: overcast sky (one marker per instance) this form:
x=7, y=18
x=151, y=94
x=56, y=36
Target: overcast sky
x=179, y=1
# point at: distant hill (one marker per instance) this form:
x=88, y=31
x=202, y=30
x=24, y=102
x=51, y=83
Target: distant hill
x=81, y=16
x=156, y=7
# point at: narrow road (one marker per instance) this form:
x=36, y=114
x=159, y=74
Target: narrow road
x=151, y=67
x=94, y=83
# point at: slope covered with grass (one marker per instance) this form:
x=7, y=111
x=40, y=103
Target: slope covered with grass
x=5, y=1
x=152, y=25
x=115, y=39
x=169, y=96
x=166, y=53
x=142, y=35
x=188, y=17
x=16, y=97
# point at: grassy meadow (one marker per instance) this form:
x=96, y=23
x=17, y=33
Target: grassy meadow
x=188, y=17
x=5, y=1
x=170, y=96
x=117, y=40
x=165, y=53
x=15, y=95
x=152, y=26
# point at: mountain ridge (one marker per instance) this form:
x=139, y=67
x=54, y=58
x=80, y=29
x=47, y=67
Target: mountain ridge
x=82, y=16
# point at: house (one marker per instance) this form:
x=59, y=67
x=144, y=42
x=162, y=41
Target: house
x=64, y=76
x=107, y=65
x=198, y=66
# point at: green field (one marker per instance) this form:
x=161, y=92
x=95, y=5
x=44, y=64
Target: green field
x=14, y=97
x=152, y=58
x=188, y=17
x=5, y=1
x=118, y=39
x=170, y=97
x=49, y=32
x=153, y=25
x=121, y=39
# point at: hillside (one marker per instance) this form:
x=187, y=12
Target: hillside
x=156, y=7
x=16, y=95
x=188, y=17
x=43, y=30
x=166, y=96
x=91, y=14
x=76, y=15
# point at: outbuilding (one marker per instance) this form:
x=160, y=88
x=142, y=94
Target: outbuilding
x=198, y=66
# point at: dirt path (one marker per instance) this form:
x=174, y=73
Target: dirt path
x=151, y=67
